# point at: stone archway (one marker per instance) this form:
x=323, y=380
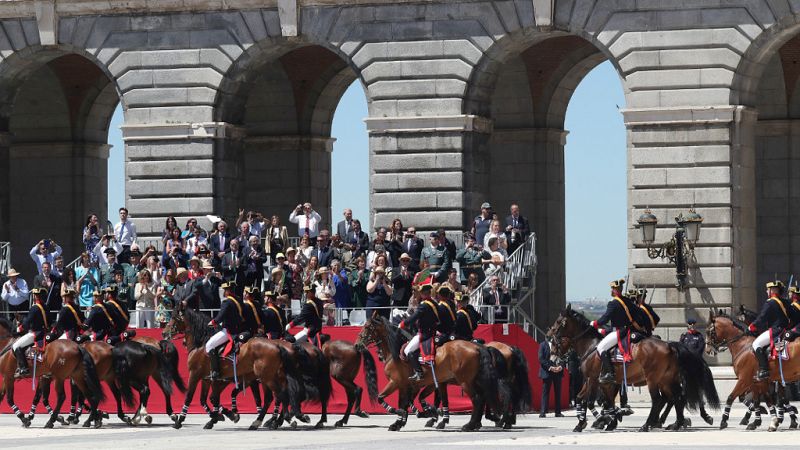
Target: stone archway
x=525, y=90
x=282, y=103
x=55, y=120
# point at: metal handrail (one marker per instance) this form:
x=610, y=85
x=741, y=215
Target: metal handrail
x=5, y=257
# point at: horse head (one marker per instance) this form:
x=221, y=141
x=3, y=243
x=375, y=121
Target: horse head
x=569, y=323
x=721, y=331
x=373, y=331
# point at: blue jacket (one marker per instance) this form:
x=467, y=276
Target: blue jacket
x=545, y=363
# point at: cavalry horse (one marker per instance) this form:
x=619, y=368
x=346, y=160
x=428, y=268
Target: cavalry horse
x=345, y=359
x=258, y=360
x=725, y=332
x=670, y=371
x=466, y=364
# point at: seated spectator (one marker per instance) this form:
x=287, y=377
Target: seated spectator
x=15, y=295
x=45, y=250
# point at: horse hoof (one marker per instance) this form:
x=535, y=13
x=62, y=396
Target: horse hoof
x=304, y=418
x=362, y=414
x=338, y=424
x=209, y=425
x=269, y=423
x=394, y=427
x=293, y=425
x=687, y=422
x=744, y=421
x=751, y=427
x=177, y=425
x=612, y=426
x=87, y=424
x=793, y=425
x=49, y=424
x=507, y=425
x=98, y=423
x=148, y=419
x=430, y=423
x=255, y=425
x=644, y=429
x=469, y=427
x=723, y=425
x=441, y=425
x=26, y=423
x=319, y=425
x=708, y=419
x=579, y=427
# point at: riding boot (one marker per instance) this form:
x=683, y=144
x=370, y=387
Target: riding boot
x=413, y=361
x=22, y=363
x=606, y=368
x=763, y=364
x=213, y=356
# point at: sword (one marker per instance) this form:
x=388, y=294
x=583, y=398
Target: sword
x=433, y=374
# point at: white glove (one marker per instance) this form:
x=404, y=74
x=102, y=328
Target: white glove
x=288, y=325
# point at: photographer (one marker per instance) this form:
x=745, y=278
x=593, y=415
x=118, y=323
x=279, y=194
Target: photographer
x=91, y=234
x=45, y=251
x=470, y=259
x=15, y=295
x=106, y=242
x=307, y=220
x=379, y=291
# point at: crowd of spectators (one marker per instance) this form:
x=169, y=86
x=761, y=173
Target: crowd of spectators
x=348, y=269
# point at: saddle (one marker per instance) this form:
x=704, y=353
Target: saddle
x=125, y=336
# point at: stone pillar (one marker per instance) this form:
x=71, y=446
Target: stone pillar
x=431, y=172
x=703, y=158
x=281, y=172
x=5, y=187
x=527, y=168
x=62, y=181
x=185, y=170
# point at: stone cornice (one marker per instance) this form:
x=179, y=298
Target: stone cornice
x=34, y=150
x=181, y=131
x=291, y=142
x=428, y=124
x=686, y=115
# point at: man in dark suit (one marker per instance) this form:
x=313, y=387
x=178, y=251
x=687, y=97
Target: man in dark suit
x=323, y=250
x=51, y=283
x=344, y=227
x=551, y=372
x=413, y=246
x=517, y=229
x=233, y=266
x=402, y=277
x=219, y=242
x=496, y=294
x=357, y=240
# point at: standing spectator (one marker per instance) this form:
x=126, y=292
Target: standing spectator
x=551, y=373
x=58, y=265
x=324, y=289
x=340, y=282
x=193, y=236
x=88, y=275
x=497, y=296
x=166, y=299
x=205, y=294
x=294, y=271
x=494, y=258
x=310, y=271
x=15, y=294
x=279, y=282
x=244, y=237
x=45, y=250
x=100, y=250
x=356, y=240
x=517, y=228
x=344, y=227
x=220, y=242
x=91, y=234
x=169, y=227
x=307, y=220
x=472, y=283
x=341, y=252
x=453, y=283
x=497, y=233
x=195, y=270
x=154, y=267
x=413, y=246
x=395, y=232
x=111, y=266
x=174, y=241
x=449, y=245
x=394, y=245
x=145, y=295
x=304, y=250
x=69, y=281
x=255, y=222
x=402, y=277
x=481, y=223
x=254, y=261
x=276, y=239
x=380, y=239
x=323, y=250
x=379, y=292
x=51, y=283
x=358, y=283
x=233, y=265
x=470, y=260
x=125, y=234
x=438, y=258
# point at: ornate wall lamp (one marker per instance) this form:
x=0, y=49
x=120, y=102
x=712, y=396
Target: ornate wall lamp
x=679, y=248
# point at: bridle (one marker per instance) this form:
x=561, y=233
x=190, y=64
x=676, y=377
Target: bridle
x=371, y=339
x=721, y=346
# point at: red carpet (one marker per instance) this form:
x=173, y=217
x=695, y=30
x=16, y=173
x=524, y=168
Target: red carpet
x=458, y=403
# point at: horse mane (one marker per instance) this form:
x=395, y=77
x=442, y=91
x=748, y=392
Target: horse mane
x=198, y=324
x=394, y=338
x=736, y=322
x=584, y=323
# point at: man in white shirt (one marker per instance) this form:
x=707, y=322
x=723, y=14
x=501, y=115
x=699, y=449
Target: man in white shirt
x=102, y=246
x=125, y=234
x=15, y=293
x=45, y=251
x=307, y=221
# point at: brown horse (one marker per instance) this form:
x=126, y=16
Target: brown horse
x=659, y=365
x=62, y=360
x=460, y=362
x=725, y=332
x=345, y=359
x=258, y=359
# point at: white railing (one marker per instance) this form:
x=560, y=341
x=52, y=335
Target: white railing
x=5, y=257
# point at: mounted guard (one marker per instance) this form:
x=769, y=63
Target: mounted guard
x=33, y=329
x=619, y=312
x=227, y=322
x=772, y=320
x=426, y=318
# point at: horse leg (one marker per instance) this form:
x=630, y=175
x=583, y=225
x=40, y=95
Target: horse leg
x=10, y=401
x=216, y=409
x=739, y=389
x=261, y=407
x=60, y=397
x=446, y=407
x=144, y=396
x=757, y=410
x=190, y=388
x=656, y=404
x=350, y=391
x=115, y=392
x=35, y=402
x=777, y=402
x=233, y=413
x=357, y=407
x=792, y=413
x=478, y=404
x=581, y=405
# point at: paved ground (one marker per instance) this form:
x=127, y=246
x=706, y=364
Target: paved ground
x=372, y=433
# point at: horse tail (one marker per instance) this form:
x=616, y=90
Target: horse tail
x=521, y=387
x=91, y=379
x=486, y=380
x=324, y=378
x=308, y=369
x=164, y=372
x=171, y=353
x=697, y=378
x=293, y=387
x=123, y=370
x=370, y=373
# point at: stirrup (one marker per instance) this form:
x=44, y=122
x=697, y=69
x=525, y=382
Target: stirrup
x=607, y=378
x=762, y=375
x=21, y=372
x=417, y=376
x=213, y=375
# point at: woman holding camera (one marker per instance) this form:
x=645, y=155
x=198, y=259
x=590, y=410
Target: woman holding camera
x=379, y=291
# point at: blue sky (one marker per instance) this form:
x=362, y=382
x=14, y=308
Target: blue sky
x=595, y=160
